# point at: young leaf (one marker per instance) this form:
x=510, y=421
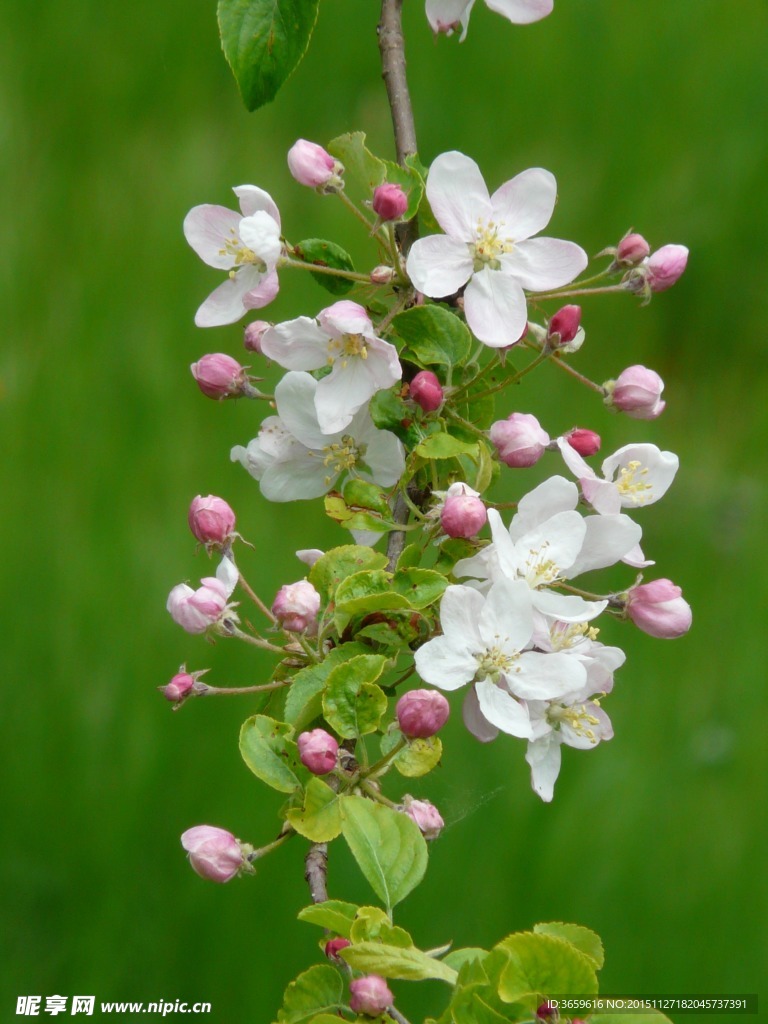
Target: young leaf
x=326, y=254
x=318, y=990
x=444, y=446
x=338, y=563
x=395, y=962
x=541, y=964
x=264, y=41
x=419, y=757
x=335, y=915
x=433, y=336
x=304, y=700
x=369, y=591
x=320, y=818
x=388, y=847
x=421, y=587
x=353, y=704
x=271, y=754
x=371, y=924
x=582, y=938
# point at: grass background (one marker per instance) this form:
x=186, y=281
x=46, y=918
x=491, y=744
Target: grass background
x=114, y=121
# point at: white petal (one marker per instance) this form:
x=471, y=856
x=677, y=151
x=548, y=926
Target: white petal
x=544, y=757
x=438, y=265
x=443, y=13
x=637, y=559
x=607, y=540
x=295, y=401
x=458, y=195
x=525, y=203
x=522, y=12
x=253, y=199
x=296, y=344
x=225, y=304
x=543, y=263
x=550, y=547
x=445, y=664
x=554, y=495
x=385, y=458
x=545, y=676
x=296, y=478
x=654, y=475
x=228, y=574
x=207, y=228
x=261, y=233
x=574, y=461
x=502, y=710
x=460, y=610
x=566, y=607
x=506, y=620
x=475, y=721
x=602, y=495
x=495, y=308
x=342, y=393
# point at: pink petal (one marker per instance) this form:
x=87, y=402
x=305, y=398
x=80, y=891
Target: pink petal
x=206, y=228
x=439, y=265
x=495, y=308
x=542, y=263
x=345, y=317
x=263, y=293
x=525, y=203
x=458, y=195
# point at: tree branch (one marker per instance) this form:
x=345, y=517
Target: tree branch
x=316, y=871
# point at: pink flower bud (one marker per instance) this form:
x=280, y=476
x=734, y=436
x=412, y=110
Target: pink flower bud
x=318, y=751
x=369, y=995
x=547, y=1011
x=389, y=201
x=197, y=610
x=253, y=334
x=463, y=515
x=585, y=442
x=333, y=946
x=426, y=391
x=665, y=266
x=637, y=392
x=659, y=609
x=382, y=274
x=564, y=325
x=426, y=816
x=211, y=520
x=296, y=606
x=178, y=688
x=519, y=440
x=219, y=376
x=631, y=250
x=214, y=853
x=422, y=713
x=310, y=164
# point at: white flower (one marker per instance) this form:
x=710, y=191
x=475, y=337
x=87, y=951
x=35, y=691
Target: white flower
x=484, y=640
x=488, y=247
x=342, y=336
x=445, y=15
x=293, y=458
x=246, y=244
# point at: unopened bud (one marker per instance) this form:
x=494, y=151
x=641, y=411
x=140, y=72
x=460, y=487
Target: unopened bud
x=389, y=201
x=382, y=274
x=519, y=440
x=585, y=442
x=547, y=1011
x=631, y=250
x=198, y=610
x=369, y=995
x=296, y=606
x=318, y=751
x=312, y=166
x=253, y=334
x=214, y=853
x=463, y=515
x=179, y=686
x=426, y=391
x=219, y=376
x=659, y=609
x=665, y=266
x=426, y=816
x=422, y=713
x=333, y=946
x=211, y=520
x=564, y=326
x=636, y=392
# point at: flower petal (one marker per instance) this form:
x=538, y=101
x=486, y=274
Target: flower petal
x=296, y=344
x=544, y=757
x=253, y=198
x=295, y=401
x=445, y=664
x=261, y=233
x=345, y=317
x=495, y=308
x=263, y=293
x=522, y=12
x=342, y=393
x=607, y=540
x=207, y=228
x=554, y=495
x=542, y=263
x=545, y=676
x=296, y=479
x=385, y=458
x=525, y=203
x=442, y=14
x=506, y=620
x=225, y=304
x=502, y=710
x=475, y=721
x=458, y=195
x=438, y=265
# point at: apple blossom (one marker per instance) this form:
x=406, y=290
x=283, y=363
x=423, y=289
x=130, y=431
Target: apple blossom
x=198, y=610
x=369, y=995
x=447, y=15
x=659, y=609
x=520, y=440
x=245, y=244
x=318, y=751
x=219, y=376
x=487, y=246
x=635, y=475
x=426, y=391
x=342, y=336
x=214, y=853
x=422, y=713
x=312, y=166
x=636, y=392
x=426, y=816
x=334, y=946
x=463, y=513
x=211, y=520
x=665, y=266
x=632, y=249
x=296, y=607
x=179, y=686
x=293, y=458
x=564, y=326
x=253, y=334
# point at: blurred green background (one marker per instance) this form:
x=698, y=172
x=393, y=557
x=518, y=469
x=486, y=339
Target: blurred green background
x=116, y=119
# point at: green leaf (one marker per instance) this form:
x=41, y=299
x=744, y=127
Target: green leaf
x=357, y=519
x=473, y=1009
x=361, y=494
x=410, y=557
x=338, y=563
x=410, y=182
x=444, y=446
x=388, y=847
x=319, y=819
x=335, y=915
x=421, y=587
x=264, y=41
x=318, y=990
x=458, y=957
x=326, y=254
x=452, y=551
x=371, y=924
x=433, y=336
x=364, y=171
x=369, y=591
x=395, y=962
x=353, y=704
x=389, y=412
x=419, y=757
x=486, y=467
x=270, y=753
x=304, y=700
x=542, y=964
x=582, y=938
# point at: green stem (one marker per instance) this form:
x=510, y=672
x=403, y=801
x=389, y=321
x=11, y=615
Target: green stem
x=204, y=690
x=370, y=225
x=580, y=291
x=374, y=794
x=465, y=423
x=317, y=268
x=264, y=850
x=255, y=641
x=255, y=598
x=384, y=761
x=578, y=376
